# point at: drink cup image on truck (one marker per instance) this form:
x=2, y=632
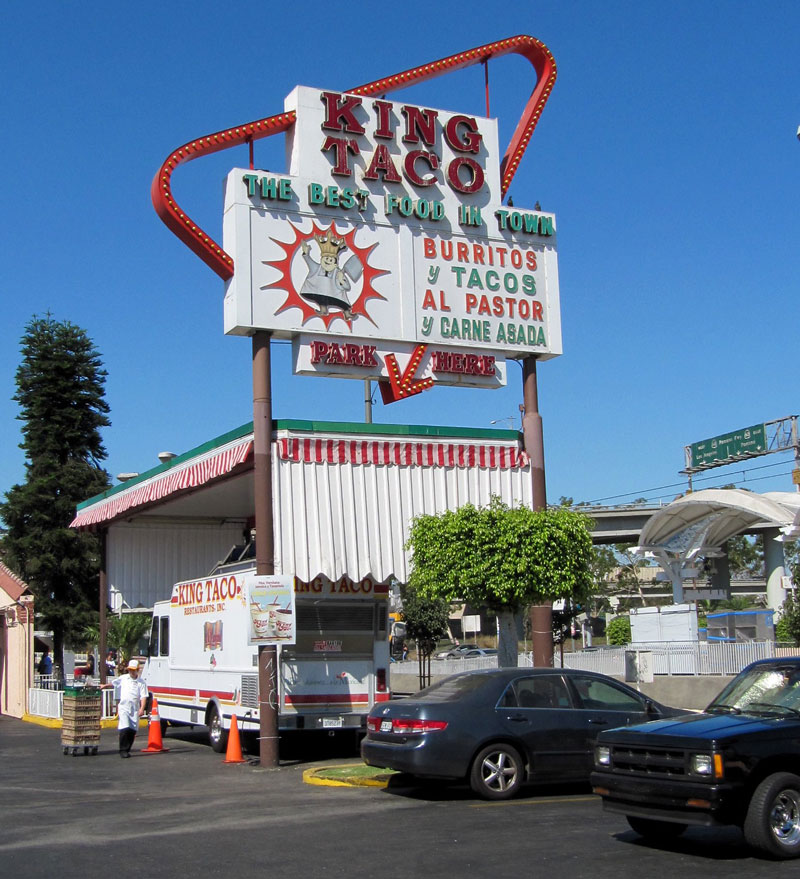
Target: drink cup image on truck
x=736, y=763
x=331, y=640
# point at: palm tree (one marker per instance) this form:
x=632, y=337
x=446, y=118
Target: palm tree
x=124, y=633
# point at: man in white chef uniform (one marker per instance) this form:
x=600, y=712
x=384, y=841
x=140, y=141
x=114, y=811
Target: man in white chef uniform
x=130, y=692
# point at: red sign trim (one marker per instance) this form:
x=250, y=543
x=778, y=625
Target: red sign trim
x=201, y=243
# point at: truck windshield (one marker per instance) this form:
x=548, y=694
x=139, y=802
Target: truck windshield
x=775, y=689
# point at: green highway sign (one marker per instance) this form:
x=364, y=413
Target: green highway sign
x=734, y=446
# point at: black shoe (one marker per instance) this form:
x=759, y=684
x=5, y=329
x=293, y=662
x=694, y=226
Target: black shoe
x=124, y=753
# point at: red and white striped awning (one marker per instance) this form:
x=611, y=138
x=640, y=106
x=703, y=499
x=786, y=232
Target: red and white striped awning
x=310, y=450
x=403, y=454
x=188, y=475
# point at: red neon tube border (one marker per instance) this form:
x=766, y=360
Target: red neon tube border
x=222, y=263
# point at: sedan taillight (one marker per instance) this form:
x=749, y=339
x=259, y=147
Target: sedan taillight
x=413, y=725
x=404, y=725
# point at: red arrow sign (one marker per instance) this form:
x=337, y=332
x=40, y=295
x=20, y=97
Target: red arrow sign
x=403, y=384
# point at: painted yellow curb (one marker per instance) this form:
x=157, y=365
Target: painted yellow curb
x=56, y=723
x=315, y=776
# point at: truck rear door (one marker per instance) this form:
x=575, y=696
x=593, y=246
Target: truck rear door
x=328, y=676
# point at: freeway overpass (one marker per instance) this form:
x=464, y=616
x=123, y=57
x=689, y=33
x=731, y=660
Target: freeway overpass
x=620, y=524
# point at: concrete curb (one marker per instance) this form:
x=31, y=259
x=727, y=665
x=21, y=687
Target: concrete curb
x=56, y=722
x=317, y=776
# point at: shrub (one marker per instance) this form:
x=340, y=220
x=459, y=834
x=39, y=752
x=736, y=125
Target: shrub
x=618, y=631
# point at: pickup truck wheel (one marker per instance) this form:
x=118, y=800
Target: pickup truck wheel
x=217, y=734
x=772, y=824
x=496, y=772
x=649, y=828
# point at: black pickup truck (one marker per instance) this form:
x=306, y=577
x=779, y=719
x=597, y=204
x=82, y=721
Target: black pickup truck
x=737, y=763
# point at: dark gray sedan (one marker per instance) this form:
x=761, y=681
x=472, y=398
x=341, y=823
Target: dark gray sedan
x=499, y=728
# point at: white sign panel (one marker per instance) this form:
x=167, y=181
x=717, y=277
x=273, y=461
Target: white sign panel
x=359, y=358
x=270, y=599
x=390, y=228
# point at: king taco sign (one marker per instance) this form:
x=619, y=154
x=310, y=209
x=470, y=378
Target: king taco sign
x=387, y=246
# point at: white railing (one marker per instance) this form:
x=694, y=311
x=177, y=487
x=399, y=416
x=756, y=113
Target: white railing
x=606, y=660
x=47, y=701
x=452, y=666
x=676, y=657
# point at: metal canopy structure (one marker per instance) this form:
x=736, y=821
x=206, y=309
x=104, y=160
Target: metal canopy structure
x=343, y=499
x=699, y=524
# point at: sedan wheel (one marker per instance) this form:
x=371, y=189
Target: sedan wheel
x=496, y=772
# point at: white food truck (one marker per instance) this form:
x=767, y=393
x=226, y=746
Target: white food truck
x=203, y=669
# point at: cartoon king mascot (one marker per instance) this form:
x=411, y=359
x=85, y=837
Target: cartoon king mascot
x=327, y=285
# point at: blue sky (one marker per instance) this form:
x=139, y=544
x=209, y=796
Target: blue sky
x=667, y=152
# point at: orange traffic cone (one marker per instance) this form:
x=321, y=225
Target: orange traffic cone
x=233, y=753
x=154, y=745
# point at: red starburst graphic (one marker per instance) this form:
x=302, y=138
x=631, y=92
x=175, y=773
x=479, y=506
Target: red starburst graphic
x=358, y=305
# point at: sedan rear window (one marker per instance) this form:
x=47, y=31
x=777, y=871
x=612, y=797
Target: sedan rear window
x=452, y=689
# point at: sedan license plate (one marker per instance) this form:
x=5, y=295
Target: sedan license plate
x=332, y=722
x=386, y=726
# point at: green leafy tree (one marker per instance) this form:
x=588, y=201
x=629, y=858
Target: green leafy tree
x=618, y=631
x=791, y=554
x=745, y=556
x=788, y=627
x=501, y=557
x=629, y=579
x=60, y=391
x=603, y=562
x=426, y=622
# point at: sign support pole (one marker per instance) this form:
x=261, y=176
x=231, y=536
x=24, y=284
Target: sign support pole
x=265, y=548
x=533, y=436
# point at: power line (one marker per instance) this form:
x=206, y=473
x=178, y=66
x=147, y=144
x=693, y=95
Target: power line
x=717, y=478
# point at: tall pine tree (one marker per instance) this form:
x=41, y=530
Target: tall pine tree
x=60, y=390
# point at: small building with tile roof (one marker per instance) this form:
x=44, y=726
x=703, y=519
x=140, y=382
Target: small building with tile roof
x=16, y=643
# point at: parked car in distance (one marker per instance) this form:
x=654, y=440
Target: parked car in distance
x=738, y=763
x=500, y=728
x=478, y=652
x=456, y=652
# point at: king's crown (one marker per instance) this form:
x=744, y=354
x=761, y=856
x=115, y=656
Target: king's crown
x=329, y=244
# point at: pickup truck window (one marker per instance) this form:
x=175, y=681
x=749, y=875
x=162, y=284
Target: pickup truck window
x=761, y=689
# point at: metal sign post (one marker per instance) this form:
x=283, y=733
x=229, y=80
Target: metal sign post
x=265, y=546
x=533, y=437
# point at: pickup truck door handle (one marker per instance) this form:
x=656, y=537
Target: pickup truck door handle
x=598, y=720
x=517, y=717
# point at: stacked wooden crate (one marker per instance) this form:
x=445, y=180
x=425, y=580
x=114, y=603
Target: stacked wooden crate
x=81, y=719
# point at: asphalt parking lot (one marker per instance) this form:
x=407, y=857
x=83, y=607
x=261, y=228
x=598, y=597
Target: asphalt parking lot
x=186, y=812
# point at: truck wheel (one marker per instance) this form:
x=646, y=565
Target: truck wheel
x=772, y=824
x=496, y=772
x=217, y=734
x=649, y=828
